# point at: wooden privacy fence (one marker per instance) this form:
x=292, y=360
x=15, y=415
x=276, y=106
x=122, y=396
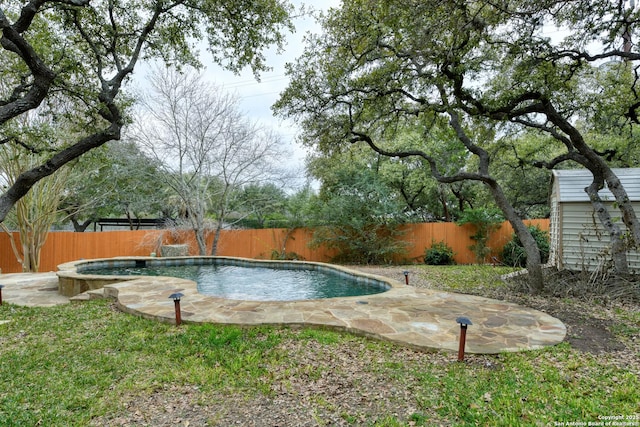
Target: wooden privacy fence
x=62, y=247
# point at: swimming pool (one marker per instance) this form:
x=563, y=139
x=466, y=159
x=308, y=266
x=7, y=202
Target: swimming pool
x=235, y=278
x=421, y=318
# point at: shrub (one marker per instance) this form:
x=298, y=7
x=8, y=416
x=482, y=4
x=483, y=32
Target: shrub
x=485, y=221
x=285, y=256
x=439, y=254
x=513, y=253
x=379, y=244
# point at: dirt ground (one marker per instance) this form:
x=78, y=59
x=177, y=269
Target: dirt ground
x=348, y=386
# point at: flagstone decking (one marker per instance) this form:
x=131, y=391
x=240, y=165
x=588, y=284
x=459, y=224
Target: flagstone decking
x=420, y=318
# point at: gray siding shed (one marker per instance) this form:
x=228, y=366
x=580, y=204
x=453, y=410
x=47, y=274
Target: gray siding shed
x=578, y=241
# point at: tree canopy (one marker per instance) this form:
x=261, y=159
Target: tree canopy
x=71, y=59
x=485, y=69
x=116, y=179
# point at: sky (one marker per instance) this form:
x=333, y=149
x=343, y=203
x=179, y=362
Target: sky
x=256, y=98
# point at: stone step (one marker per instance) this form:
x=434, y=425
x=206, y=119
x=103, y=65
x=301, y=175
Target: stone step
x=96, y=293
x=88, y=295
x=80, y=298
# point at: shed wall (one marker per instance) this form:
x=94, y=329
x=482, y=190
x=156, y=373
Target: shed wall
x=555, y=256
x=582, y=242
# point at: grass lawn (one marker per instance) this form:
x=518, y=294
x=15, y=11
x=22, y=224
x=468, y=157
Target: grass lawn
x=88, y=364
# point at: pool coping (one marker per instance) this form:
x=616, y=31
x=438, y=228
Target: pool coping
x=418, y=318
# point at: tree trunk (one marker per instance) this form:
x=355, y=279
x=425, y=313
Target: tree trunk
x=80, y=227
x=536, y=283
x=624, y=204
x=201, y=241
x=129, y=220
x=534, y=264
x=287, y=236
x=26, y=180
x=618, y=247
x=216, y=238
x=196, y=217
x=442, y=197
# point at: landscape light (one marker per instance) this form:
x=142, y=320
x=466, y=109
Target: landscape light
x=176, y=301
x=464, y=322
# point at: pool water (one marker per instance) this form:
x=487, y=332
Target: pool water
x=257, y=283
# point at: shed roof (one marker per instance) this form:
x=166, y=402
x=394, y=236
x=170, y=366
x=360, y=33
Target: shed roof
x=569, y=184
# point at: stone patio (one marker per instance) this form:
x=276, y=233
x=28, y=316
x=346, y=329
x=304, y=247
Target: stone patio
x=31, y=289
x=419, y=318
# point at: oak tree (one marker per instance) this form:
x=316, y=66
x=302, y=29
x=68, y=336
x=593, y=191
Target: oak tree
x=83, y=53
x=482, y=68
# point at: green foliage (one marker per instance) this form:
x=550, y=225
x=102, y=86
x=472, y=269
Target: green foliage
x=514, y=255
x=76, y=57
x=466, y=280
x=290, y=256
x=404, y=181
x=264, y=205
x=361, y=242
x=481, y=218
x=116, y=180
x=484, y=221
x=521, y=182
x=36, y=212
x=357, y=215
x=439, y=254
x=299, y=207
x=381, y=65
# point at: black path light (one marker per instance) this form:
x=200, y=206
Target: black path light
x=176, y=301
x=406, y=277
x=1, y=286
x=464, y=322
